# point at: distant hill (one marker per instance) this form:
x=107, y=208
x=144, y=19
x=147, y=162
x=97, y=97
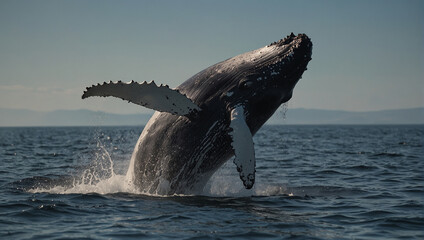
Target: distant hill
x=314, y=116
x=16, y=117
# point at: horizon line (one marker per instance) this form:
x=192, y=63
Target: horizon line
x=295, y=108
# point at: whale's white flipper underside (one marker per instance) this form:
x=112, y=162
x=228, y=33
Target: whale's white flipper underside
x=243, y=147
x=160, y=98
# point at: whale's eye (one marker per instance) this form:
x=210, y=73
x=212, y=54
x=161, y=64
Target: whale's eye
x=245, y=84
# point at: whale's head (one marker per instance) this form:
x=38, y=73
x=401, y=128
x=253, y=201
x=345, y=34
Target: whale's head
x=259, y=80
x=265, y=78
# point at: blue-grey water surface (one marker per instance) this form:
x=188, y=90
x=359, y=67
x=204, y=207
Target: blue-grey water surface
x=313, y=182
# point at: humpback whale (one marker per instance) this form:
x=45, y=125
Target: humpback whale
x=209, y=118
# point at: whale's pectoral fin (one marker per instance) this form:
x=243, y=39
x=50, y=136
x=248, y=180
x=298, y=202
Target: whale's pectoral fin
x=160, y=98
x=243, y=147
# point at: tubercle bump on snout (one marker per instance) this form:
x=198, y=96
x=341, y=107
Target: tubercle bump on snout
x=289, y=38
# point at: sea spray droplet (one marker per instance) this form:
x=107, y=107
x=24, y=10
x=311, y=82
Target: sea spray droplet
x=283, y=108
x=281, y=112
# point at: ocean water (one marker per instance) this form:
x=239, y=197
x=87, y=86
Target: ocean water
x=313, y=182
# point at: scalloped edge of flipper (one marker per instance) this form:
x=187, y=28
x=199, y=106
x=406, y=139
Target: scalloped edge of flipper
x=243, y=147
x=160, y=98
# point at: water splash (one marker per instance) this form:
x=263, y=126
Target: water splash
x=102, y=168
x=103, y=175
x=226, y=183
x=99, y=176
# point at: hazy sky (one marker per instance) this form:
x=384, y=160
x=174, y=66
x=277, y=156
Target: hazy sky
x=368, y=55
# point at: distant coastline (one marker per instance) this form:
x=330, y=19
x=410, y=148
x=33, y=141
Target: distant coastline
x=21, y=117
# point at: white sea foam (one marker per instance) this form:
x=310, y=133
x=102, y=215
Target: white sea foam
x=113, y=184
x=226, y=183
